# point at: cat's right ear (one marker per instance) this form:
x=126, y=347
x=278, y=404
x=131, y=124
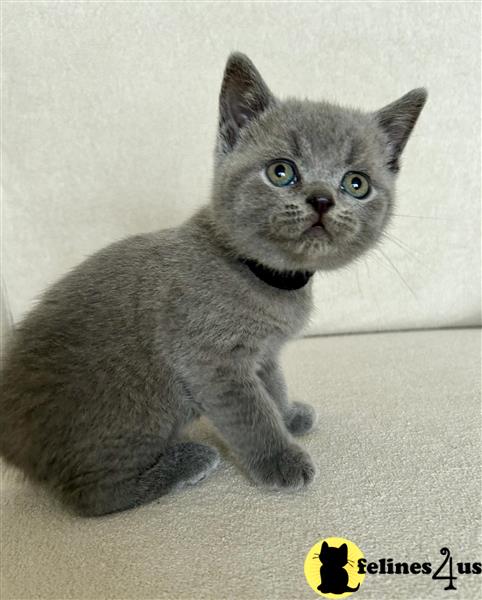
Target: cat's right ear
x=397, y=120
x=244, y=96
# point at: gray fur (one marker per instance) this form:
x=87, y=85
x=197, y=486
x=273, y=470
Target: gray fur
x=155, y=330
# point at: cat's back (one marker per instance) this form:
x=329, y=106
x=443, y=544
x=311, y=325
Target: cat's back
x=98, y=295
x=89, y=331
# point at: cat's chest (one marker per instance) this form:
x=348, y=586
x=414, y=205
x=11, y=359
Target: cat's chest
x=246, y=329
x=224, y=313
x=275, y=316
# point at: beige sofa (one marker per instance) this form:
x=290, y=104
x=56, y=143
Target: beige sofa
x=398, y=452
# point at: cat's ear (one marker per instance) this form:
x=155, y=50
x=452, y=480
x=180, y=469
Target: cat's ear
x=324, y=546
x=397, y=120
x=344, y=550
x=244, y=96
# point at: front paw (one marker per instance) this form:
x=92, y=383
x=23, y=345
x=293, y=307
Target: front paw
x=289, y=468
x=300, y=419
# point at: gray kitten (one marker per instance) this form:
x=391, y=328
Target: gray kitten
x=158, y=329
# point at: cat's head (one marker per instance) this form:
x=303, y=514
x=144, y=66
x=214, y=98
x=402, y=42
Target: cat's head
x=301, y=185
x=331, y=555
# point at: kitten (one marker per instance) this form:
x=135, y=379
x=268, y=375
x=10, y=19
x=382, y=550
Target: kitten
x=158, y=329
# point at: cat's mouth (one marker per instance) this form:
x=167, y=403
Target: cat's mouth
x=318, y=229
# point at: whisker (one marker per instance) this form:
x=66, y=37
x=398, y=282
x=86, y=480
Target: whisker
x=421, y=217
x=397, y=272
x=374, y=296
x=404, y=245
x=412, y=253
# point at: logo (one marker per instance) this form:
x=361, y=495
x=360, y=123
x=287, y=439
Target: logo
x=331, y=568
x=335, y=568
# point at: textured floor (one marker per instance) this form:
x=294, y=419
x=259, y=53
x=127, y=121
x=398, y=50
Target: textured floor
x=398, y=450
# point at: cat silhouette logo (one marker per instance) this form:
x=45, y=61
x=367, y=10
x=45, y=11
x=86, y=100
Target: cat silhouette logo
x=331, y=568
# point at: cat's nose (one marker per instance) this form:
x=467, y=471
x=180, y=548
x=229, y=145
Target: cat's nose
x=321, y=204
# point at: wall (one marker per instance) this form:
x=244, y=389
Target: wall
x=109, y=115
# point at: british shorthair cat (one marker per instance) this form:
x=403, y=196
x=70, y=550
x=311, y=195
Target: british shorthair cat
x=156, y=330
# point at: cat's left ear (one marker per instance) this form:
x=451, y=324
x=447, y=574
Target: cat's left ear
x=244, y=96
x=397, y=120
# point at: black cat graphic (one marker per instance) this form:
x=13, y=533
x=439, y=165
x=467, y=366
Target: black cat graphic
x=334, y=578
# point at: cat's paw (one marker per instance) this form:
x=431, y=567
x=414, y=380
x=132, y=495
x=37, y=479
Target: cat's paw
x=195, y=462
x=301, y=418
x=289, y=468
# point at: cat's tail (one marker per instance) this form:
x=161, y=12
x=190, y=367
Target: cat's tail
x=347, y=589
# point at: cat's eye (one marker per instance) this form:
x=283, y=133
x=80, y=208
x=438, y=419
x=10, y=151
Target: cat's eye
x=356, y=184
x=282, y=173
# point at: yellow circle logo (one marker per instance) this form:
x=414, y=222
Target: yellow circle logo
x=331, y=568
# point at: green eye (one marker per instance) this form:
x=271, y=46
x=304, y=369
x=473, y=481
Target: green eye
x=356, y=184
x=281, y=173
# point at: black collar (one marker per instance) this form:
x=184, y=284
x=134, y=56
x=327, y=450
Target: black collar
x=283, y=280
